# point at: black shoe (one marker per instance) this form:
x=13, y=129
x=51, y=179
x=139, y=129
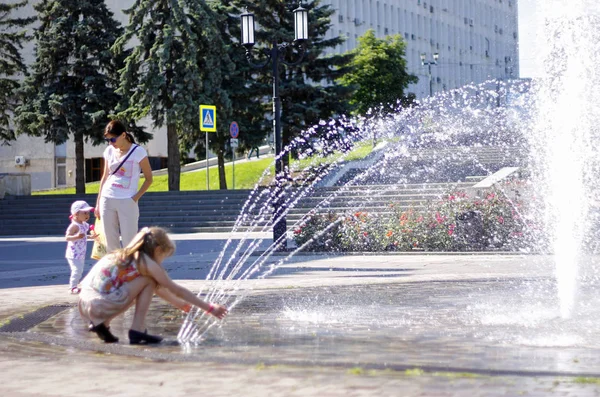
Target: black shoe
x=103, y=333
x=142, y=338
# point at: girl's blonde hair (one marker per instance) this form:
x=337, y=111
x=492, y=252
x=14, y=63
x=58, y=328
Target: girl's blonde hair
x=146, y=241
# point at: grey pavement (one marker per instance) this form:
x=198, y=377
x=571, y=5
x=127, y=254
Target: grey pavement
x=319, y=325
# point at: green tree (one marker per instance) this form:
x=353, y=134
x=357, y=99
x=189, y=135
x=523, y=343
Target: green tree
x=163, y=74
x=217, y=66
x=239, y=83
x=378, y=72
x=71, y=90
x=309, y=91
x=12, y=36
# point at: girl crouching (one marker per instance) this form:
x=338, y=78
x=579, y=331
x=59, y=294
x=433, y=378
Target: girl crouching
x=133, y=275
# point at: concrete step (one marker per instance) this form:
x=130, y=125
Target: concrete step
x=218, y=211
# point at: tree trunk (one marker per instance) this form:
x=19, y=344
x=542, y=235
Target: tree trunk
x=173, y=160
x=79, y=163
x=221, y=163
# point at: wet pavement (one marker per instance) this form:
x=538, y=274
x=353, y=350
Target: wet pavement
x=411, y=325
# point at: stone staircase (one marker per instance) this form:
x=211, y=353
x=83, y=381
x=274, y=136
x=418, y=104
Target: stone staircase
x=434, y=165
x=215, y=211
x=180, y=212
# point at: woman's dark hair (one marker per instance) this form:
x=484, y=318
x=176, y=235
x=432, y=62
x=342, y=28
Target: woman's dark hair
x=116, y=128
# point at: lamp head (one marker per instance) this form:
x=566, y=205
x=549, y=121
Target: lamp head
x=247, y=20
x=301, y=23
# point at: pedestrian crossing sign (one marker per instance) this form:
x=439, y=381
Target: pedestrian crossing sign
x=208, y=118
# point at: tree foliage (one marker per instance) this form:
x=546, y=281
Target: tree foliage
x=71, y=89
x=309, y=90
x=172, y=70
x=247, y=107
x=220, y=70
x=13, y=33
x=378, y=72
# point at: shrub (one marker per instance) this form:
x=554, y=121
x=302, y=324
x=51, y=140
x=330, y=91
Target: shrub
x=453, y=223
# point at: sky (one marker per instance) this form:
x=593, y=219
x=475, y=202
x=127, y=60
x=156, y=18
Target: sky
x=527, y=32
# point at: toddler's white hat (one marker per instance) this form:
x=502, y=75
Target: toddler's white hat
x=80, y=205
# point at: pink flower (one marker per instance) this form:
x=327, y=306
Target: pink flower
x=501, y=219
x=439, y=218
x=451, y=229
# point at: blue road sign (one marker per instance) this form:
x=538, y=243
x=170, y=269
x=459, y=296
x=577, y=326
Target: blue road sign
x=234, y=129
x=208, y=118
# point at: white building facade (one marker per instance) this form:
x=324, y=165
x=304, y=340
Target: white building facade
x=476, y=41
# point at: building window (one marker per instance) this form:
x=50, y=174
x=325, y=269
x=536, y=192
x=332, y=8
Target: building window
x=61, y=171
x=93, y=169
x=159, y=163
x=340, y=18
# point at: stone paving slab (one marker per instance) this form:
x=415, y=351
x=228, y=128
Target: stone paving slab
x=30, y=369
x=283, y=340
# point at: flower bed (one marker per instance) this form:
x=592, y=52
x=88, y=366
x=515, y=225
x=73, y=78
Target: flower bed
x=453, y=223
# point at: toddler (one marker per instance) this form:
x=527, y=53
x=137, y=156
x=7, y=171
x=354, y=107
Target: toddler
x=76, y=237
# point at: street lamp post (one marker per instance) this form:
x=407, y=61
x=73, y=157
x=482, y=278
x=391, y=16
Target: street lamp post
x=429, y=63
x=275, y=55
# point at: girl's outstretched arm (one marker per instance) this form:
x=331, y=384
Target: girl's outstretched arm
x=163, y=280
x=172, y=299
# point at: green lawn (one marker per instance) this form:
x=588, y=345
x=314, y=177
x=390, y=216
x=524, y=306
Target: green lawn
x=247, y=174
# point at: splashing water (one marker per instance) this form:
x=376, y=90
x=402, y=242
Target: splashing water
x=441, y=140
x=565, y=134
x=547, y=126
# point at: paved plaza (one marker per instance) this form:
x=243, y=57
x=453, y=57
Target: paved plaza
x=320, y=325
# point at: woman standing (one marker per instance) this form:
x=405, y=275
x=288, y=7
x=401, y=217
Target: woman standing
x=117, y=203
